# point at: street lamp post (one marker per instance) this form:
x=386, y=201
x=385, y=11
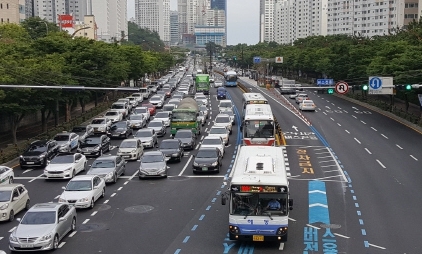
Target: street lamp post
x=46, y=25
x=77, y=30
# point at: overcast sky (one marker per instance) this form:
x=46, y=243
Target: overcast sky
x=242, y=20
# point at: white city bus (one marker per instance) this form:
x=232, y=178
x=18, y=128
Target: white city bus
x=258, y=125
x=253, y=98
x=259, y=177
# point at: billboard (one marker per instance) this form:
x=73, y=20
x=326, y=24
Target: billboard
x=65, y=21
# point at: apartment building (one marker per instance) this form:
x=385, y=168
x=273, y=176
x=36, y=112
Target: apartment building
x=50, y=9
x=174, y=28
x=154, y=15
x=266, y=20
x=12, y=11
x=110, y=18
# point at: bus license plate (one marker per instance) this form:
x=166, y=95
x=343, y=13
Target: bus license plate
x=258, y=238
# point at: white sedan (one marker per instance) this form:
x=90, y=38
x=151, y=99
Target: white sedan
x=82, y=191
x=307, y=105
x=65, y=165
x=6, y=175
x=220, y=131
x=216, y=142
x=163, y=116
x=157, y=100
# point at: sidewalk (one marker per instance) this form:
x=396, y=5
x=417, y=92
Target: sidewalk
x=26, y=132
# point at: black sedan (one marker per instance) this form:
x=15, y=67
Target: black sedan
x=95, y=145
x=120, y=129
x=207, y=160
x=172, y=149
x=187, y=137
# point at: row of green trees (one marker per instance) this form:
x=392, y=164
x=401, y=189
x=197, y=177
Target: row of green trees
x=343, y=57
x=37, y=53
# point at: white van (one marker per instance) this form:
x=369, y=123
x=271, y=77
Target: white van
x=144, y=91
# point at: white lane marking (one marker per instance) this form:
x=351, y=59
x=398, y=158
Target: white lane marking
x=384, y=136
x=376, y=246
x=368, y=151
x=26, y=171
x=30, y=181
x=125, y=182
x=347, y=131
x=120, y=188
x=186, y=165
x=413, y=157
x=338, y=107
x=362, y=122
x=73, y=233
x=354, y=116
x=134, y=174
x=331, y=119
x=94, y=213
x=12, y=229
x=338, y=124
x=85, y=221
x=1, y=238
x=399, y=146
x=61, y=244
x=206, y=129
x=357, y=140
x=202, y=138
x=105, y=202
x=112, y=195
x=379, y=162
x=324, y=113
x=57, y=197
x=342, y=235
x=208, y=122
x=196, y=148
x=373, y=128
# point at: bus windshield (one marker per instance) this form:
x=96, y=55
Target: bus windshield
x=183, y=117
x=231, y=77
x=258, y=204
x=259, y=129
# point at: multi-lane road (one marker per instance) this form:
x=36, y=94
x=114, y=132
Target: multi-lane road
x=354, y=177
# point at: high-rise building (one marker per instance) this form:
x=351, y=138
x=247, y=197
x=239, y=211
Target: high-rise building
x=174, y=28
x=50, y=9
x=12, y=11
x=154, y=15
x=299, y=19
x=29, y=8
x=111, y=19
x=219, y=4
x=266, y=20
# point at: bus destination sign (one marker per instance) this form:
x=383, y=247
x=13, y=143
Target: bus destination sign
x=260, y=188
x=257, y=102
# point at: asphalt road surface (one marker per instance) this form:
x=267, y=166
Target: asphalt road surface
x=362, y=165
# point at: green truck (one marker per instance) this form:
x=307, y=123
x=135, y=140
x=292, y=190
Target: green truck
x=202, y=83
x=185, y=116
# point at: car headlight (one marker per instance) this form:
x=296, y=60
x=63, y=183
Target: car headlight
x=5, y=206
x=123, y=132
x=162, y=169
x=175, y=154
x=46, y=237
x=195, y=164
x=215, y=163
x=21, y=157
x=119, y=151
x=64, y=146
x=42, y=156
x=101, y=128
x=83, y=200
x=68, y=169
x=109, y=175
x=133, y=151
x=97, y=148
x=62, y=200
x=12, y=237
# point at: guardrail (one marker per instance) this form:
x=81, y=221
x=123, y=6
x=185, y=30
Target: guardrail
x=15, y=150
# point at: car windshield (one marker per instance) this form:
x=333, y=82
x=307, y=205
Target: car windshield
x=161, y=115
x=39, y=218
x=141, y=110
x=183, y=134
x=61, y=138
x=37, y=148
x=200, y=98
x=119, y=125
x=225, y=105
x=169, y=145
x=103, y=164
x=218, y=131
x=128, y=144
x=118, y=106
x=79, y=185
x=211, y=141
x=92, y=140
x=62, y=159
x=5, y=196
x=144, y=134
x=155, y=124
x=79, y=129
x=155, y=98
x=136, y=95
x=135, y=117
x=309, y=103
x=204, y=108
x=168, y=107
x=222, y=119
x=98, y=121
x=111, y=114
x=152, y=158
x=207, y=154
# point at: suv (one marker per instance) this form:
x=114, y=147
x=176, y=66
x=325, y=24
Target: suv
x=67, y=141
x=187, y=137
x=38, y=153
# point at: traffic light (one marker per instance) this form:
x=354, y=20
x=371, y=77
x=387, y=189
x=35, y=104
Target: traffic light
x=365, y=87
x=235, y=58
x=408, y=87
x=330, y=91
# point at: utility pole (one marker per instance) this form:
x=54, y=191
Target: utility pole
x=210, y=57
x=243, y=70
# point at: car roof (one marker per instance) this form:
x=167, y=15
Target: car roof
x=145, y=130
x=212, y=137
x=208, y=148
x=130, y=139
x=170, y=141
x=106, y=157
x=82, y=177
x=222, y=114
x=40, y=142
x=45, y=207
x=10, y=186
x=64, y=134
x=64, y=154
x=153, y=153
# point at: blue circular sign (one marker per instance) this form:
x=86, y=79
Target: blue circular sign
x=375, y=83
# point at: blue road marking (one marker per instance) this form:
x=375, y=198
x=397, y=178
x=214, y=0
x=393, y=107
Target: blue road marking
x=320, y=137
x=208, y=208
x=366, y=244
x=194, y=227
x=177, y=251
x=222, y=186
x=363, y=231
x=246, y=248
x=213, y=200
x=356, y=205
x=186, y=239
x=202, y=217
x=218, y=193
x=318, y=204
x=354, y=197
x=359, y=213
x=360, y=221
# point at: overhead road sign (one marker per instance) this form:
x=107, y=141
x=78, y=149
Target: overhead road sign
x=380, y=85
x=342, y=87
x=256, y=59
x=279, y=59
x=325, y=82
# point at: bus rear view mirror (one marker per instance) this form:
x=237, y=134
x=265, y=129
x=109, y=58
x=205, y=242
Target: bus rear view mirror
x=223, y=200
x=290, y=204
